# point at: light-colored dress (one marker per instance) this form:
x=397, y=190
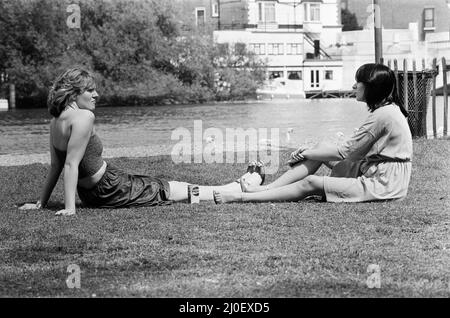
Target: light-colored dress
x=384, y=134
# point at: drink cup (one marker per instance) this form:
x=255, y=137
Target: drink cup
x=193, y=194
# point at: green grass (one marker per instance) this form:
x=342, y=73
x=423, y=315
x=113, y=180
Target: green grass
x=304, y=249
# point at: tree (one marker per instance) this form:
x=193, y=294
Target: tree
x=349, y=21
x=134, y=48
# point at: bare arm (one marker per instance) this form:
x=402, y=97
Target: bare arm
x=81, y=130
x=56, y=167
x=323, y=152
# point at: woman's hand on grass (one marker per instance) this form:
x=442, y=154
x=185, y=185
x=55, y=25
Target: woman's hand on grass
x=66, y=212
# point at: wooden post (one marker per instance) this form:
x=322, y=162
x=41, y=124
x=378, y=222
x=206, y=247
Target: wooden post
x=444, y=76
x=433, y=101
x=12, y=96
x=397, y=81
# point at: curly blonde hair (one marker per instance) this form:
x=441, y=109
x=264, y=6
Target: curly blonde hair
x=67, y=87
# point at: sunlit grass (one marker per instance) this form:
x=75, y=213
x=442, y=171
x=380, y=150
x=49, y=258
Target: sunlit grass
x=304, y=249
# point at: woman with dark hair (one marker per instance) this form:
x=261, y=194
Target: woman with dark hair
x=76, y=147
x=374, y=164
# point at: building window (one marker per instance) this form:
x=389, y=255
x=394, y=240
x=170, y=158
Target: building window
x=260, y=12
x=293, y=49
x=200, y=17
x=275, y=49
x=258, y=48
x=266, y=12
x=428, y=18
x=275, y=74
x=215, y=9
x=312, y=12
x=239, y=48
x=329, y=75
x=223, y=48
x=295, y=75
x=269, y=12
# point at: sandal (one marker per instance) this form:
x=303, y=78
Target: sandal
x=251, y=166
x=250, y=169
x=259, y=169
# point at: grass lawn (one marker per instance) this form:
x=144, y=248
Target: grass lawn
x=304, y=249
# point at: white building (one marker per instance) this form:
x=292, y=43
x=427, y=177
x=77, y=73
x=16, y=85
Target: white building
x=292, y=36
x=358, y=47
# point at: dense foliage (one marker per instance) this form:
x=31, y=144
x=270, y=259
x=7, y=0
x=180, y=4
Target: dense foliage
x=349, y=21
x=137, y=50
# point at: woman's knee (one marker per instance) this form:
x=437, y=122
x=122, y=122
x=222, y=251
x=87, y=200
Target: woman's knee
x=311, y=183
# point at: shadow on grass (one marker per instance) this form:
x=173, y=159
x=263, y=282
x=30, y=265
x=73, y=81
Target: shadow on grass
x=309, y=248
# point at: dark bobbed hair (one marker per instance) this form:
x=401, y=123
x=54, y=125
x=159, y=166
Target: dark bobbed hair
x=67, y=87
x=380, y=86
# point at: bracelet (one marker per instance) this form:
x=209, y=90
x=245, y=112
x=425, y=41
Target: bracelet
x=38, y=204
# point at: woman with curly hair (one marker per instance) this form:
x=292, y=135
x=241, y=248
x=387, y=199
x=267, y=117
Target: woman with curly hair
x=76, y=148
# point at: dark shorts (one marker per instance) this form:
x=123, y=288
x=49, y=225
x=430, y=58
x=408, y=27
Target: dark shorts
x=118, y=189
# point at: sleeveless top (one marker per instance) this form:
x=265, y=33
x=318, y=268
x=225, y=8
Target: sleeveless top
x=92, y=160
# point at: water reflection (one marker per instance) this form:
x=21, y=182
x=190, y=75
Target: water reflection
x=26, y=131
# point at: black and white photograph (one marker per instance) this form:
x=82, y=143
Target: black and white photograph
x=225, y=154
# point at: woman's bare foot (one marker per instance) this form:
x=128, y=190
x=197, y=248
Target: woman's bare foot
x=227, y=197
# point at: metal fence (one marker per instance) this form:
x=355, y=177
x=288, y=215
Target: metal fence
x=414, y=88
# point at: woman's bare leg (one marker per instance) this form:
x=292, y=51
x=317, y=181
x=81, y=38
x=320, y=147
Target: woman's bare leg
x=296, y=173
x=179, y=190
x=311, y=185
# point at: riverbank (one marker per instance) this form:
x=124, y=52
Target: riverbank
x=305, y=249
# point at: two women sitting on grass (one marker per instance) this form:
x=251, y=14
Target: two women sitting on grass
x=374, y=164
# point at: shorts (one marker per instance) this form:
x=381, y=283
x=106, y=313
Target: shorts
x=118, y=189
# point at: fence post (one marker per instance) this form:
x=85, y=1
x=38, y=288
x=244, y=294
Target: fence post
x=405, y=84
x=433, y=102
x=12, y=96
x=444, y=77
x=415, y=102
x=397, y=81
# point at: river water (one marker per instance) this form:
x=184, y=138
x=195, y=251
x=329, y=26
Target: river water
x=24, y=132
